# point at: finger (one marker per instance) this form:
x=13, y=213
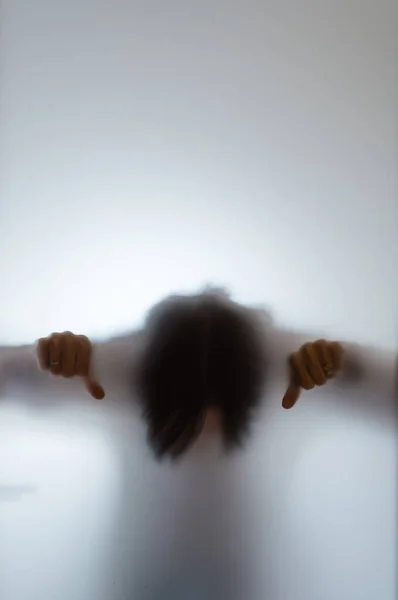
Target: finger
x=55, y=355
x=43, y=353
x=83, y=367
x=94, y=388
x=291, y=396
x=325, y=356
x=83, y=355
x=313, y=364
x=336, y=350
x=301, y=372
x=68, y=353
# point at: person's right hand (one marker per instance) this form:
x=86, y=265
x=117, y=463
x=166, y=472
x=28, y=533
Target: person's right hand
x=69, y=355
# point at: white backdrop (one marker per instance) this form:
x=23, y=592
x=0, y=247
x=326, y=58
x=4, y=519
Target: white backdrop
x=149, y=147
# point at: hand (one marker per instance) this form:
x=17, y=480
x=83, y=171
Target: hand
x=67, y=355
x=313, y=365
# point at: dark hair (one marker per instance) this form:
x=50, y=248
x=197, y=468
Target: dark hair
x=200, y=351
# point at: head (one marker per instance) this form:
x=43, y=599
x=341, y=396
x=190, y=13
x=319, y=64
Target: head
x=201, y=352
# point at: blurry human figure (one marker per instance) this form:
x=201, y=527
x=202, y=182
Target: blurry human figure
x=202, y=358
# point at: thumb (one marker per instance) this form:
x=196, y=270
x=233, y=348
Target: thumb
x=291, y=396
x=93, y=387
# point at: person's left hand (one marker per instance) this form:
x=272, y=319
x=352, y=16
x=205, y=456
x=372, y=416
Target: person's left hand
x=312, y=365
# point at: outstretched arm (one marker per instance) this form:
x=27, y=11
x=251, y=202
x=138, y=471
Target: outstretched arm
x=62, y=354
x=370, y=371
x=66, y=355
x=16, y=361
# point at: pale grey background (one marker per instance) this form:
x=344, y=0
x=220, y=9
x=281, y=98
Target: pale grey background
x=155, y=146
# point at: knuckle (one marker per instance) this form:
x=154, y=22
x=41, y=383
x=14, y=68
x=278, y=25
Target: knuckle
x=82, y=357
x=80, y=344
x=305, y=353
x=311, y=347
x=84, y=341
x=42, y=344
x=308, y=386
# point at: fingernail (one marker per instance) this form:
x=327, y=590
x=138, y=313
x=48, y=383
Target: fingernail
x=99, y=394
